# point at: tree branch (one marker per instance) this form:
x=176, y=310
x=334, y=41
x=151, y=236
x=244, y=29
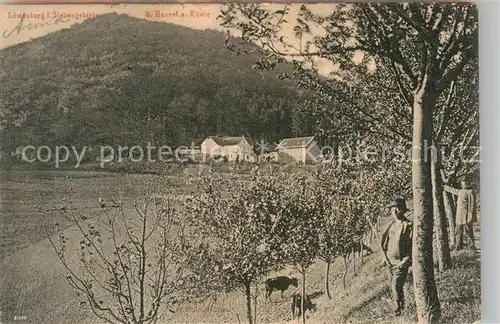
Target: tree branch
x=419, y=28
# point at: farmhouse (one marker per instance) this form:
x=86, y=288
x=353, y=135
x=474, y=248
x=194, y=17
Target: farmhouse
x=299, y=149
x=232, y=148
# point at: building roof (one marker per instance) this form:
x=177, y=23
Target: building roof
x=250, y=141
x=296, y=142
x=227, y=140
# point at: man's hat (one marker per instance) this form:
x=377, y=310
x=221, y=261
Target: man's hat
x=399, y=203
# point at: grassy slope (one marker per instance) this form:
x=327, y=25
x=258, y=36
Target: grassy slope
x=20, y=192
x=365, y=299
x=32, y=280
x=31, y=284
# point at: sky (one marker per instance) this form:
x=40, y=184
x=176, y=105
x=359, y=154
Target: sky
x=42, y=19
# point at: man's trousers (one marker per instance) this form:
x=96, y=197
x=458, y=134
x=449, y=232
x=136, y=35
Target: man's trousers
x=398, y=278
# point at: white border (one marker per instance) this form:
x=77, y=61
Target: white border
x=489, y=94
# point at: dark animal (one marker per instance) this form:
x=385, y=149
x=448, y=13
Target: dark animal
x=297, y=304
x=279, y=283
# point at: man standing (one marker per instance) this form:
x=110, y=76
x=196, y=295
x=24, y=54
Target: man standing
x=466, y=213
x=396, y=245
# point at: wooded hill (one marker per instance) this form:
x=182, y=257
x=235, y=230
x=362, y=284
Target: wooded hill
x=119, y=80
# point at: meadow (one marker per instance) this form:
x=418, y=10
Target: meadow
x=32, y=284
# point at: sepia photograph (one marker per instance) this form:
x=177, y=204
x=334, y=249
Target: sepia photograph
x=240, y=163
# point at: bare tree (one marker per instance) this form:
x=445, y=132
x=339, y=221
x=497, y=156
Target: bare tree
x=125, y=270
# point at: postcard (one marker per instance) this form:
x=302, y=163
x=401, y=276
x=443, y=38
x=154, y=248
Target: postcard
x=239, y=163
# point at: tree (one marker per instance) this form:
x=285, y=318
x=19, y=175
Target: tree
x=328, y=244
x=424, y=46
x=353, y=228
x=442, y=248
x=295, y=234
x=457, y=134
x=231, y=226
x=367, y=103
x=124, y=270
x=341, y=222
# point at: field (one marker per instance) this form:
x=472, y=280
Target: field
x=32, y=286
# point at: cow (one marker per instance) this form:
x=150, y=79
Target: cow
x=297, y=304
x=279, y=283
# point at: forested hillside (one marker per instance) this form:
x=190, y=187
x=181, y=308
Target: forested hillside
x=117, y=79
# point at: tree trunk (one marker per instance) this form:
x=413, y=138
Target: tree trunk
x=327, y=280
x=345, y=270
x=361, y=249
x=248, y=294
x=303, y=296
x=354, y=263
x=373, y=229
x=450, y=214
x=435, y=254
x=255, y=304
x=441, y=231
x=426, y=295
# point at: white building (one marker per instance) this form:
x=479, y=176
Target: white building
x=233, y=148
x=299, y=149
